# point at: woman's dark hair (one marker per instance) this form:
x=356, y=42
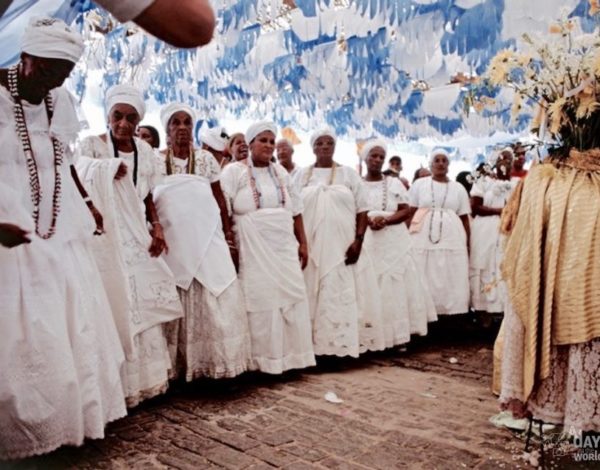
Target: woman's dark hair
x=155, y=135
x=416, y=176
x=463, y=179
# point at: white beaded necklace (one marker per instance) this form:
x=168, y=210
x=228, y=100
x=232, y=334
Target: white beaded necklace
x=440, y=210
x=34, y=180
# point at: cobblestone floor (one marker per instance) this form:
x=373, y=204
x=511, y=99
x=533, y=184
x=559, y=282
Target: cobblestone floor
x=402, y=409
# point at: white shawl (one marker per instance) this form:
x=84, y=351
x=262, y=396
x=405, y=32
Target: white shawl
x=141, y=289
x=270, y=270
x=192, y=225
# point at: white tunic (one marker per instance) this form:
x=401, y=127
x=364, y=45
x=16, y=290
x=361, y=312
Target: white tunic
x=60, y=353
x=345, y=304
x=488, y=292
x=212, y=339
x=270, y=270
x=407, y=304
x=441, y=242
x=141, y=289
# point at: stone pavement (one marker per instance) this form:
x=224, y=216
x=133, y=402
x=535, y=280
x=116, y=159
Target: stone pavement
x=412, y=409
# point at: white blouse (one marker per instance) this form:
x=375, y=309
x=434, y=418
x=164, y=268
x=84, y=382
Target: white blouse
x=390, y=189
x=425, y=192
x=344, y=176
x=149, y=172
x=235, y=182
x=205, y=164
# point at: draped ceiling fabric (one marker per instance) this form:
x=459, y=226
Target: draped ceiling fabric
x=363, y=67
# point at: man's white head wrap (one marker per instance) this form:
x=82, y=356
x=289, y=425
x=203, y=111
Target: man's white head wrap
x=167, y=112
x=51, y=38
x=211, y=136
x=125, y=94
x=322, y=133
x=436, y=152
x=370, y=145
x=259, y=127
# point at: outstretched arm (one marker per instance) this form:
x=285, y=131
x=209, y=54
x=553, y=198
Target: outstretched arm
x=181, y=23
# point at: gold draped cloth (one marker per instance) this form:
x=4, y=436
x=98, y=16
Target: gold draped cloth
x=552, y=258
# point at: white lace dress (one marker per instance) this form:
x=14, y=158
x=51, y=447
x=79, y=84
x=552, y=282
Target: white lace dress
x=407, y=305
x=141, y=289
x=60, y=353
x=570, y=396
x=440, y=242
x=488, y=292
x=212, y=339
x=345, y=302
x=270, y=271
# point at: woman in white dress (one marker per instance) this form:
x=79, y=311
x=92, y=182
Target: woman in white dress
x=121, y=171
x=489, y=195
x=440, y=235
x=342, y=287
x=60, y=354
x=272, y=247
x=212, y=339
x=407, y=305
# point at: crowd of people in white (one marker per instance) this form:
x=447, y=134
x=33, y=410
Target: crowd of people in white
x=125, y=267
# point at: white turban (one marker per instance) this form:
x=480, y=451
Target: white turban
x=370, y=145
x=259, y=127
x=51, y=38
x=212, y=136
x=436, y=152
x=167, y=111
x=125, y=94
x=321, y=133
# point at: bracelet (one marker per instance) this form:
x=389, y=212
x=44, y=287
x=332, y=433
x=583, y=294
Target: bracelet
x=156, y=222
x=87, y=199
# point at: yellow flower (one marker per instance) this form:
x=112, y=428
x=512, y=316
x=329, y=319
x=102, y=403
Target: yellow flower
x=555, y=29
x=556, y=115
x=587, y=105
x=479, y=106
x=516, y=107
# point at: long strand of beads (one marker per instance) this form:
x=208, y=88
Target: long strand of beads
x=440, y=210
x=385, y=194
x=311, y=169
x=253, y=186
x=58, y=150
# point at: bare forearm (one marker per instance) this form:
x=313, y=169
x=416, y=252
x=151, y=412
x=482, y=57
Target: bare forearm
x=182, y=23
x=151, y=212
x=361, y=224
x=220, y=198
x=401, y=215
x=299, y=229
x=78, y=183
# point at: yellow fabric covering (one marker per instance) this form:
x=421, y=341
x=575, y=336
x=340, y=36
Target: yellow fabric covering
x=552, y=258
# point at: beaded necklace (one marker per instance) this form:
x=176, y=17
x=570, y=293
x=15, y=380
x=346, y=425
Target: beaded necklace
x=191, y=164
x=255, y=186
x=34, y=180
x=311, y=169
x=135, y=156
x=437, y=209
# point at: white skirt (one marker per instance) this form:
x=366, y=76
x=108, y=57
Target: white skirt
x=487, y=288
x=212, y=339
x=444, y=265
x=407, y=305
x=60, y=354
x=281, y=339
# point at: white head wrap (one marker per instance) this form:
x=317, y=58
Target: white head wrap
x=436, y=152
x=125, y=94
x=51, y=38
x=321, y=133
x=370, y=145
x=167, y=111
x=509, y=150
x=211, y=136
x=259, y=127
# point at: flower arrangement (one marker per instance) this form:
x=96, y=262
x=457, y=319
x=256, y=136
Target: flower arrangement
x=561, y=75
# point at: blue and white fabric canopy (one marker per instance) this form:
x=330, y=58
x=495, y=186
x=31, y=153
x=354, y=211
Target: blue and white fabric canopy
x=396, y=68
